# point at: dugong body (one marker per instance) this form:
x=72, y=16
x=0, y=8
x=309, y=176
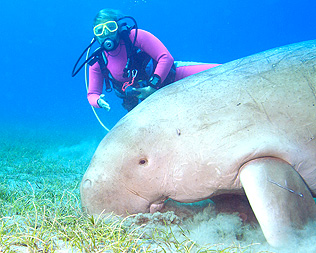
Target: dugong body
x=245, y=127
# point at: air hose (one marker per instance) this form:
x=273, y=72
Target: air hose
x=87, y=87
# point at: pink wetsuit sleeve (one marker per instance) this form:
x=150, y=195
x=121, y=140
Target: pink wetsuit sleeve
x=95, y=85
x=154, y=47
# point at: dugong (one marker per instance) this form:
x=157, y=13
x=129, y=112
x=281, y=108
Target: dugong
x=245, y=127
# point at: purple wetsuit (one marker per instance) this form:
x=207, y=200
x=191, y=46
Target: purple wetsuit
x=117, y=60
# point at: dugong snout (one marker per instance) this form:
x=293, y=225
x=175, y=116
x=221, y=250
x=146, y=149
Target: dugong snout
x=87, y=184
x=98, y=197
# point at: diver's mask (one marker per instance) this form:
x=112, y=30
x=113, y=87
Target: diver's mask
x=107, y=35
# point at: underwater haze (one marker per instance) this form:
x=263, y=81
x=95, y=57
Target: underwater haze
x=45, y=115
x=41, y=41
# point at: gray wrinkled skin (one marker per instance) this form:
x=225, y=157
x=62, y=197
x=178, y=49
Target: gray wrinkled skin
x=189, y=140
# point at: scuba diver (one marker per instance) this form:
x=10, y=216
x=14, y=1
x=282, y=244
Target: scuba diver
x=129, y=60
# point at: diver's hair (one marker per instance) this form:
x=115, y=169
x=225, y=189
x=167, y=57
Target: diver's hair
x=107, y=15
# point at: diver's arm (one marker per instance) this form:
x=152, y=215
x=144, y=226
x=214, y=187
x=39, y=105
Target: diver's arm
x=154, y=47
x=95, y=85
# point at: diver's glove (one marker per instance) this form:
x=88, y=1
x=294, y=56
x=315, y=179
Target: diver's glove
x=131, y=92
x=155, y=81
x=102, y=103
x=145, y=92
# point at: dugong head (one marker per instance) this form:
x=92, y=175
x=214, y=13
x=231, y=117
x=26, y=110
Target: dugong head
x=126, y=174
x=161, y=149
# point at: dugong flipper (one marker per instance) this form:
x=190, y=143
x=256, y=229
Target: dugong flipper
x=245, y=127
x=279, y=198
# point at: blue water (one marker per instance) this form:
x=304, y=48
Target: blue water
x=41, y=40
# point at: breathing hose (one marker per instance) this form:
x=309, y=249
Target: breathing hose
x=87, y=87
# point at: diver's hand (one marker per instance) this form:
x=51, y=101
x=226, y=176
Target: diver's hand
x=145, y=92
x=131, y=92
x=102, y=103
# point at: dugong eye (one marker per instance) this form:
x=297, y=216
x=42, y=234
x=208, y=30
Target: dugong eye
x=143, y=161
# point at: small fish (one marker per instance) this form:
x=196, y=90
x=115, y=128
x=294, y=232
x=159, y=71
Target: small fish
x=285, y=188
